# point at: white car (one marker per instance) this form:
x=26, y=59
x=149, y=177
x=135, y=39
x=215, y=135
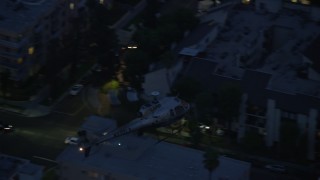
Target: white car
x=71, y=140
x=276, y=168
x=220, y=132
x=75, y=89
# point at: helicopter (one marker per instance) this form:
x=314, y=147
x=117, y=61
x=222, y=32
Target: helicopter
x=156, y=113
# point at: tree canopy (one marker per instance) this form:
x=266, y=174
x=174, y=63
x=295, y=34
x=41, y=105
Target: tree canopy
x=210, y=161
x=187, y=88
x=229, y=99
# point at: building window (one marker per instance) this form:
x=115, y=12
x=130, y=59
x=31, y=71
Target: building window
x=20, y=60
x=93, y=174
x=246, y=1
x=306, y=2
x=30, y=50
x=71, y=6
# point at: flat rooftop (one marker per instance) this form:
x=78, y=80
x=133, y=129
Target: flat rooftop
x=236, y=48
x=17, y=17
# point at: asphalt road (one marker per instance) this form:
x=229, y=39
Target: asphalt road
x=41, y=139
x=263, y=174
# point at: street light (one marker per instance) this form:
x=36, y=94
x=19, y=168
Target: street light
x=132, y=46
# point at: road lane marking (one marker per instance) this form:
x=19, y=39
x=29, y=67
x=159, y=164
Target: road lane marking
x=46, y=159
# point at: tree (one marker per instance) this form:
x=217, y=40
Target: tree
x=211, y=161
x=195, y=132
x=205, y=102
x=149, y=41
x=288, y=138
x=4, y=80
x=150, y=19
x=229, y=99
x=187, y=88
x=169, y=33
x=99, y=36
x=136, y=63
x=184, y=19
x=167, y=59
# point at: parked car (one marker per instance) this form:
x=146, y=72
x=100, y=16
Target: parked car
x=276, y=168
x=71, y=140
x=6, y=128
x=220, y=132
x=75, y=89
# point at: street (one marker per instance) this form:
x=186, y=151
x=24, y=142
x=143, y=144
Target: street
x=41, y=139
x=263, y=174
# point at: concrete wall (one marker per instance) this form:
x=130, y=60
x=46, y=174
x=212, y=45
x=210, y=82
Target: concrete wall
x=242, y=117
x=305, y=123
x=273, y=117
x=129, y=15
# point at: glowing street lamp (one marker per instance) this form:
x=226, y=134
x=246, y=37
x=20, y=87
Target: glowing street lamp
x=132, y=46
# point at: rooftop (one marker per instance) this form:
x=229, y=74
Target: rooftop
x=16, y=17
x=240, y=47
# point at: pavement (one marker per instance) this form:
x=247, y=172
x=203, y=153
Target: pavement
x=309, y=170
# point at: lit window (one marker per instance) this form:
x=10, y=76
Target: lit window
x=71, y=6
x=306, y=2
x=294, y=1
x=246, y=1
x=101, y=1
x=31, y=50
x=20, y=60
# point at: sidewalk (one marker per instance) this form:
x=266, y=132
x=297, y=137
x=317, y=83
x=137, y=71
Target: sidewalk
x=298, y=169
x=34, y=111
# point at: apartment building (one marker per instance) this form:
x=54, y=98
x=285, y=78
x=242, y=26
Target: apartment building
x=311, y=7
x=26, y=26
x=273, y=56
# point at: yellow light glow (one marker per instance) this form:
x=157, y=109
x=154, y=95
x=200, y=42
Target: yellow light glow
x=306, y=2
x=30, y=50
x=294, y=1
x=20, y=60
x=246, y=1
x=71, y=6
